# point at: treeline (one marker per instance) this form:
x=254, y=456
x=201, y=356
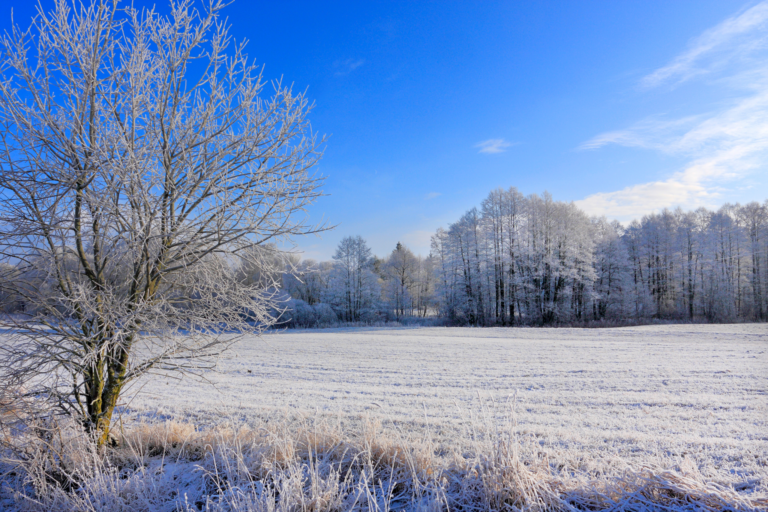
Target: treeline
x=357, y=286
x=515, y=260
x=530, y=260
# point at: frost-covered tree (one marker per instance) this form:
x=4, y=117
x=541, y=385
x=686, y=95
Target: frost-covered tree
x=516, y=260
x=558, y=266
x=754, y=218
x=533, y=260
x=353, y=288
x=401, y=270
x=307, y=280
x=466, y=239
x=424, y=286
x=613, y=283
x=446, y=275
x=722, y=282
x=142, y=169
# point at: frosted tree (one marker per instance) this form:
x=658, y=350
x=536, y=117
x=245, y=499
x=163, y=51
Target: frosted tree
x=493, y=209
x=513, y=211
x=465, y=243
x=401, y=270
x=142, y=166
x=658, y=261
x=754, y=218
x=353, y=287
x=692, y=244
x=446, y=274
x=641, y=294
x=720, y=285
x=424, y=286
x=534, y=260
x=307, y=280
x=612, y=284
x=502, y=214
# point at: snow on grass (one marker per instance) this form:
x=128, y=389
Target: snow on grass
x=312, y=465
x=594, y=399
x=644, y=418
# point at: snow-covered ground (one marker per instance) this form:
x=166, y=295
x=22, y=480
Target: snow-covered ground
x=589, y=397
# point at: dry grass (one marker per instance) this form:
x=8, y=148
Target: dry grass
x=13, y=404
x=311, y=465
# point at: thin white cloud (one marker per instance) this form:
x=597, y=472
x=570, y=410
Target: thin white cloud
x=722, y=147
x=493, y=146
x=345, y=67
x=697, y=185
x=727, y=38
x=432, y=195
x=651, y=133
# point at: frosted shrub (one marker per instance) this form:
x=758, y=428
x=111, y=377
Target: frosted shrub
x=370, y=316
x=301, y=314
x=325, y=315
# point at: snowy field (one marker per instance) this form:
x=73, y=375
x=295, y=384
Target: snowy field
x=591, y=397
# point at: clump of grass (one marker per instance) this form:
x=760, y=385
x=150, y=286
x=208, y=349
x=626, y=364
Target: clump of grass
x=315, y=465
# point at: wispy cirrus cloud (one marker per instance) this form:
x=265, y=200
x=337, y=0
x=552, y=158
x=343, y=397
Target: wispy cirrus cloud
x=655, y=132
x=345, y=67
x=432, y=195
x=493, y=146
x=721, y=146
x=721, y=43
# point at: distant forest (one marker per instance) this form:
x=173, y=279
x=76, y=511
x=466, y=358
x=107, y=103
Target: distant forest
x=530, y=260
x=515, y=260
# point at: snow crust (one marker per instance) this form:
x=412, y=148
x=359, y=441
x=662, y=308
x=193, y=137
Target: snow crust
x=594, y=398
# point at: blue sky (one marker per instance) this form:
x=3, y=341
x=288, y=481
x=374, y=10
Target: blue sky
x=623, y=107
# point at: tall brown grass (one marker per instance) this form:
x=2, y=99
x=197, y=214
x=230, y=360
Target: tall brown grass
x=316, y=465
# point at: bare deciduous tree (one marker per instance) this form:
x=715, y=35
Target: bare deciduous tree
x=353, y=288
x=401, y=269
x=141, y=167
